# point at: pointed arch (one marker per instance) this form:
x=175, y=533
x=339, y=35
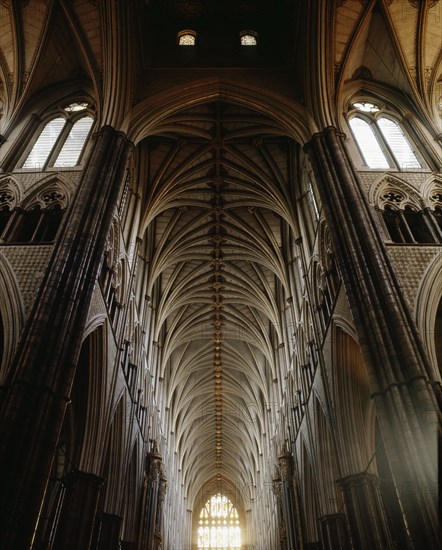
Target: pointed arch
x=12, y=316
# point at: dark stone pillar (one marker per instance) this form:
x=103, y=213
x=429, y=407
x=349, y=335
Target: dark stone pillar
x=367, y=520
x=43, y=369
x=401, y=377
x=108, y=532
x=334, y=533
x=73, y=529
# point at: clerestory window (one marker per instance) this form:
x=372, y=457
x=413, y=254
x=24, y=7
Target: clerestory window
x=380, y=138
x=248, y=38
x=61, y=141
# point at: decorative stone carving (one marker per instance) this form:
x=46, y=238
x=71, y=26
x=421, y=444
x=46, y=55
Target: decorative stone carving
x=411, y=263
x=29, y=265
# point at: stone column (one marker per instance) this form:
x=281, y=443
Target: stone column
x=401, y=378
x=151, y=490
x=289, y=500
x=108, y=532
x=367, y=521
x=75, y=522
x=276, y=487
x=44, y=366
x=158, y=537
x=334, y=533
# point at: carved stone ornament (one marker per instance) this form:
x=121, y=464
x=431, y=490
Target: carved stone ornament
x=285, y=463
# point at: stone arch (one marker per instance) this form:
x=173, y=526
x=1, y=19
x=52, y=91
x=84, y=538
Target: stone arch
x=112, y=464
x=94, y=361
x=353, y=408
x=58, y=187
x=328, y=466
x=13, y=189
x=293, y=119
x=432, y=187
x=391, y=189
x=132, y=495
x=12, y=315
x=310, y=498
x=428, y=313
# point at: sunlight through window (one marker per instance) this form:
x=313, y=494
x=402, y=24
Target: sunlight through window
x=219, y=525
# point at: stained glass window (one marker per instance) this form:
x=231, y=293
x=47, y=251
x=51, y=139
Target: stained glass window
x=219, y=525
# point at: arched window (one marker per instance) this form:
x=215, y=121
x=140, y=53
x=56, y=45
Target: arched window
x=186, y=38
x=381, y=140
x=248, y=38
x=61, y=141
x=219, y=524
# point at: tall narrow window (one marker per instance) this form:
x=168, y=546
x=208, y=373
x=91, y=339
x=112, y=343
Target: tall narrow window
x=381, y=140
x=368, y=144
x=399, y=145
x=74, y=143
x=44, y=144
x=219, y=525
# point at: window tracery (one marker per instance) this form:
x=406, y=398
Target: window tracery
x=405, y=215
x=219, y=524
x=37, y=221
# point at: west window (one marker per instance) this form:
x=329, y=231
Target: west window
x=219, y=525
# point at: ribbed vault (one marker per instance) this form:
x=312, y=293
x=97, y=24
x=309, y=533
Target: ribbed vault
x=218, y=214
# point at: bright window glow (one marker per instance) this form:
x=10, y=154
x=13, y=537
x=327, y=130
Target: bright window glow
x=398, y=143
x=366, y=107
x=368, y=144
x=44, y=144
x=248, y=40
x=219, y=525
x=76, y=107
x=187, y=40
x=74, y=143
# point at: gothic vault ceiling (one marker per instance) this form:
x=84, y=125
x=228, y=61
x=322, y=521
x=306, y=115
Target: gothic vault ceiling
x=218, y=197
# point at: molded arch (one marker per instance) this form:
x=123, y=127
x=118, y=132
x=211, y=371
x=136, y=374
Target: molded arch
x=12, y=315
x=16, y=189
x=293, y=119
x=428, y=297
x=389, y=182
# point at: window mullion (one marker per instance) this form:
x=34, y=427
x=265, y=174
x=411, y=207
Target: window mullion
x=59, y=144
x=406, y=227
x=383, y=144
